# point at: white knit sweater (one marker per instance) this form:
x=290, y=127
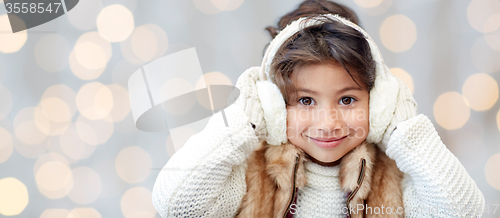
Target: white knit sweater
x=206, y=178
x=322, y=196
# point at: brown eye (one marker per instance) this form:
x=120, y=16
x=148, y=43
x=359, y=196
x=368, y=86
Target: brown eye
x=306, y=101
x=346, y=100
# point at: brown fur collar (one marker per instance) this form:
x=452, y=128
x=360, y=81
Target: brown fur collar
x=270, y=182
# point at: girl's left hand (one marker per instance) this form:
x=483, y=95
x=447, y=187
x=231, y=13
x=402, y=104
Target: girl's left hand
x=406, y=108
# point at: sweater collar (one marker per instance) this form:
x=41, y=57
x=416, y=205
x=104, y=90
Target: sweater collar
x=327, y=171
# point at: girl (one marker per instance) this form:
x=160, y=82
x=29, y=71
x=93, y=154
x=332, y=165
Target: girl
x=313, y=134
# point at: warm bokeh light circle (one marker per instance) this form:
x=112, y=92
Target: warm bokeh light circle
x=115, y=23
x=451, y=110
x=6, y=145
x=136, y=202
x=133, y=164
x=398, y=33
x=13, y=196
x=11, y=42
x=405, y=77
x=481, y=91
x=491, y=171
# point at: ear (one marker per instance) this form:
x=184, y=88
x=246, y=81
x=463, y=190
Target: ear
x=274, y=109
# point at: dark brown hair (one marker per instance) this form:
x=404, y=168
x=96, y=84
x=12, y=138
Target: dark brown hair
x=331, y=41
x=312, y=8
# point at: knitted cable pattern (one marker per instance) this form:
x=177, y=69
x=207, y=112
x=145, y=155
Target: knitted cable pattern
x=435, y=183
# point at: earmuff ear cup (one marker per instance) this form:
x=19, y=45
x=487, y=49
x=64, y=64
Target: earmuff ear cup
x=406, y=108
x=383, y=99
x=274, y=108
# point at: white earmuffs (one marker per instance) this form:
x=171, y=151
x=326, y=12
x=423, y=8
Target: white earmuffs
x=383, y=96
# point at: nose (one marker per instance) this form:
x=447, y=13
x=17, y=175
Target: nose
x=330, y=122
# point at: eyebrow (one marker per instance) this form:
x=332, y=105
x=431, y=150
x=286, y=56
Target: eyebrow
x=341, y=91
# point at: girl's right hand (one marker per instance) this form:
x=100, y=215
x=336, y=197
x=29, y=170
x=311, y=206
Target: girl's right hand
x=249, y=101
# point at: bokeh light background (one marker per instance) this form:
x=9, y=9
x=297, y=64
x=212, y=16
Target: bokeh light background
x=68, y=145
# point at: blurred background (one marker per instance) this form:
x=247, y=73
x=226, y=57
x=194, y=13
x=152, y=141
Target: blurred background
x=68, y=144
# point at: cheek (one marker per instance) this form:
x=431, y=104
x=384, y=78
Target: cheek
x=360, y=122
x=294, y=123
x=290, y=121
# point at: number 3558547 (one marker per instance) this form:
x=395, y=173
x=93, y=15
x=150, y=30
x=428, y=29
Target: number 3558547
x=25, y=8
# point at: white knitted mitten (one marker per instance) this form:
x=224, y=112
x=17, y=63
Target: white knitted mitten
x=249, y=100
x=434, y=177
x=406, y=108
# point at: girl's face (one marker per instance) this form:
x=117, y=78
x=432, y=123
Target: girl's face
x=329, y=117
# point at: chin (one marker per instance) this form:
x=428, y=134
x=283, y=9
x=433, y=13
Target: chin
x=330, y=160
x=326, y=161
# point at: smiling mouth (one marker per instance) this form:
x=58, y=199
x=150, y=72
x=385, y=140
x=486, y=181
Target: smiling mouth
x=328, y=142
x=328, y=139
